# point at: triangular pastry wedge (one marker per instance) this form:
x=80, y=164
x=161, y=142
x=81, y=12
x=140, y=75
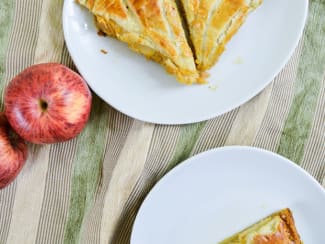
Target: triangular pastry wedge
x=278, y=228
x=150, y=27
x=212, y=23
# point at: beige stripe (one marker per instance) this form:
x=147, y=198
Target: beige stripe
x=249, y=119
x=314, y=157
x=29, y=196
x=21, y=47
x=280, y=101
x=50, y=41
x=31, y=183
x=126, y=172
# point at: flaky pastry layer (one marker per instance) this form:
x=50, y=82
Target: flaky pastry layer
x=212, y=23
x=152, y=28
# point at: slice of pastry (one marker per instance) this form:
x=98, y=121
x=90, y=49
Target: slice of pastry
x=278, y=228
x=150, y=27
x=212, y=23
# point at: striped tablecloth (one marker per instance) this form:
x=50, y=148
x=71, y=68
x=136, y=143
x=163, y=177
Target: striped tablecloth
x=88, y=190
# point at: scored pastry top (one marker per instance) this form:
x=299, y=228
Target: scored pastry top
x=212, y=23
x=150, y=27
x=154, y=28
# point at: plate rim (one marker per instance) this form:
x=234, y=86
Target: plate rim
x=195, y=158
x=194, y=119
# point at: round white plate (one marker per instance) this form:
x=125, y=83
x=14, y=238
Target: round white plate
x=143, y=90
x=217, y=193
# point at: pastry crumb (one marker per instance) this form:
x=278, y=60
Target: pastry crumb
x=103, y=51
x=239, y=60
x=263, y=206
x=213, y=87
x=203, y=79
x=101, y=33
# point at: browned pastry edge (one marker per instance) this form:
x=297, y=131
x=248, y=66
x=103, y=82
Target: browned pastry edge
x=286, y=232
x=287, y=217
x=112, y=29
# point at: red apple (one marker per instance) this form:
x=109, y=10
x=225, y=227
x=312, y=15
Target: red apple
x=47, y=103
x=13, y=153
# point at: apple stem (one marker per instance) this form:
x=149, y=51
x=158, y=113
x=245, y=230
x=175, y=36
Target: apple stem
x=43, y=104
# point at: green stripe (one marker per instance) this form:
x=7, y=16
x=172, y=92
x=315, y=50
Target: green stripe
x=6, y=197
x=309, y=77
x=87, y=169
x=189, y=135
x=6, y=20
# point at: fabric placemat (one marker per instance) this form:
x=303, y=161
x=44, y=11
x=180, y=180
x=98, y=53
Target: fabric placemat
x=88, y=190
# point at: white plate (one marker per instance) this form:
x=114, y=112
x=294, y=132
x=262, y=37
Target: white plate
x=143, y=90
x=218, y=193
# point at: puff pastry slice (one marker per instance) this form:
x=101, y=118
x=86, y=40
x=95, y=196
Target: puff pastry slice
x=150, y=27
x=212, y=23
x=278, y=228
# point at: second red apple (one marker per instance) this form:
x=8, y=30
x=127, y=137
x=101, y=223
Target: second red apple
x=13, y=153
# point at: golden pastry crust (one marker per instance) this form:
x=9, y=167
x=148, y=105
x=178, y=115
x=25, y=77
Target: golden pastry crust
x=150, y=27
x=278, y=228
x=212, y=23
